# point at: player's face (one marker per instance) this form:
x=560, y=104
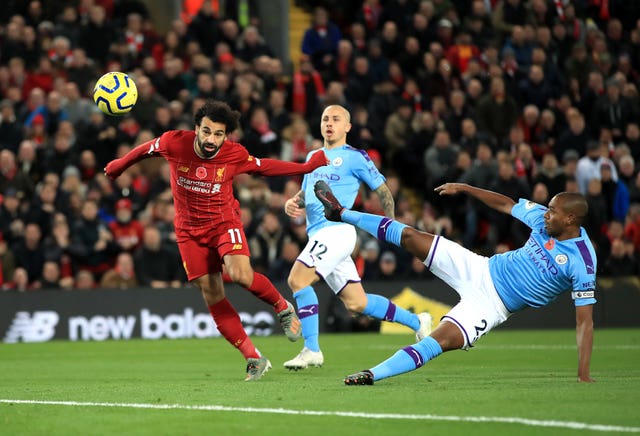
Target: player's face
x=555, y=218
x=334, y=125
x=209, y=137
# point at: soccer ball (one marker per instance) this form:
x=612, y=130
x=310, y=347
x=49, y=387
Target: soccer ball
x=115, y=93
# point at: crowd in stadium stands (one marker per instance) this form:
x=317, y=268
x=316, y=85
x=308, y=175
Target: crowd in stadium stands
x=524, y=97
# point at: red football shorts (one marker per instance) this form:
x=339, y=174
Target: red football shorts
x=202, y=251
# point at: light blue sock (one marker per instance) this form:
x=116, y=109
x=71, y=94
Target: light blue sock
x=408, y=359
x=383, y=228
x=380, y=307
x=307, y=302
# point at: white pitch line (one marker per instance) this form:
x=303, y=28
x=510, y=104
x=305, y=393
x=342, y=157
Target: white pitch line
x=428, y=417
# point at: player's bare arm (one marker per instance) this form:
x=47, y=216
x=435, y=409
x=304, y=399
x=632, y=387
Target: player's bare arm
x=387, y=201
x=294, y=206
x=584, y=340
x=492, y=199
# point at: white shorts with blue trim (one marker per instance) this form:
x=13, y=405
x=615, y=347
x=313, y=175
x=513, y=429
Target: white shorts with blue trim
x=329, y=251
x=480, y=308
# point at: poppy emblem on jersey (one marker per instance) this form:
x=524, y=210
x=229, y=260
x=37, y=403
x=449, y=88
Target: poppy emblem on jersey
x=561, y=259
x=337, y=162
x=550, y=244
x=201, y=172
x=220, y=174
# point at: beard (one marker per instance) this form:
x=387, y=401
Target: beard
x=207, y=149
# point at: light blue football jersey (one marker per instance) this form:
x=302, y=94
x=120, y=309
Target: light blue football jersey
x=348, y=168
x=535, y=274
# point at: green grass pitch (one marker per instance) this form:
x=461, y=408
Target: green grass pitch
x=512, y=382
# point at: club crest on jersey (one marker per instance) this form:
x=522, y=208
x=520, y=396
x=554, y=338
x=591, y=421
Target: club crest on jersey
x=201, y=172
x=561, y=259
x=337, y=162
x=529, y=205
x=220, y=174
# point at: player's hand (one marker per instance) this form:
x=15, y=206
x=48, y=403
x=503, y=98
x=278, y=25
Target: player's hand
x=450, y=188
x=318, y=159
x=114, y=169
x=292, y=207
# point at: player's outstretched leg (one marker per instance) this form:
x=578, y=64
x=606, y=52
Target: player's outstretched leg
x=382, y=308
x=405, y=360
x=383, y=228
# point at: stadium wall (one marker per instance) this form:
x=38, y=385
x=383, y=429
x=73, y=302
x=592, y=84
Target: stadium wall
x=180, y=313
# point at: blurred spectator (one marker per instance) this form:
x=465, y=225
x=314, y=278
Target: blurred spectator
x=589, y=166
x=388, y=265
x=7, y=262
x=613, y=111
x=127, y=231
x=619, y=262
x=266, y=244
x=278, y=271
x=296, y=141
x=122, y=275
x=575, y=137
x=615, y=193
x=509, y=230
x=10, y=128
x=28, y=252
x=93, y=247
x=551, y=175
x=496, y=111
x=320, y=41
x=97, y=34
x=439, y=158
x=84, y=280
x=19, y=281
x=252, y=45
x=12, y=177
x=632, y=226
x=156, y=266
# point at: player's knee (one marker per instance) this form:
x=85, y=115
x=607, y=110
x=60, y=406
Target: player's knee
x=211, y=295
x=241, y=276
x=355, y=305
x=416, y=242
x=296, y=282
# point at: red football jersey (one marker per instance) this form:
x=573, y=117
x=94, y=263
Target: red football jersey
x=203, y=188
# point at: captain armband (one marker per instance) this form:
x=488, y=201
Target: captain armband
x=577, y=295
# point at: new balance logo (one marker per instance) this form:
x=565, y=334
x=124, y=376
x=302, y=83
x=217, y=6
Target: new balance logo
x=40, y=327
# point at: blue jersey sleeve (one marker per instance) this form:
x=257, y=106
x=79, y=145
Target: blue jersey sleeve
x=584, y=275
x=530, y=213
x=365, y=170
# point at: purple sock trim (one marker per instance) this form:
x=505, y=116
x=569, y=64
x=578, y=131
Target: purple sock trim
x=413, y=353
x=382, y=229
x=391, y=312
x=306, y=311
x=433, y=253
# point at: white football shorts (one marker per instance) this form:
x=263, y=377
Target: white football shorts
x=329, y=251
x=480, y=308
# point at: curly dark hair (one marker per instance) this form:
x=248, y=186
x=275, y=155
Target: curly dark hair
x=219, y=112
